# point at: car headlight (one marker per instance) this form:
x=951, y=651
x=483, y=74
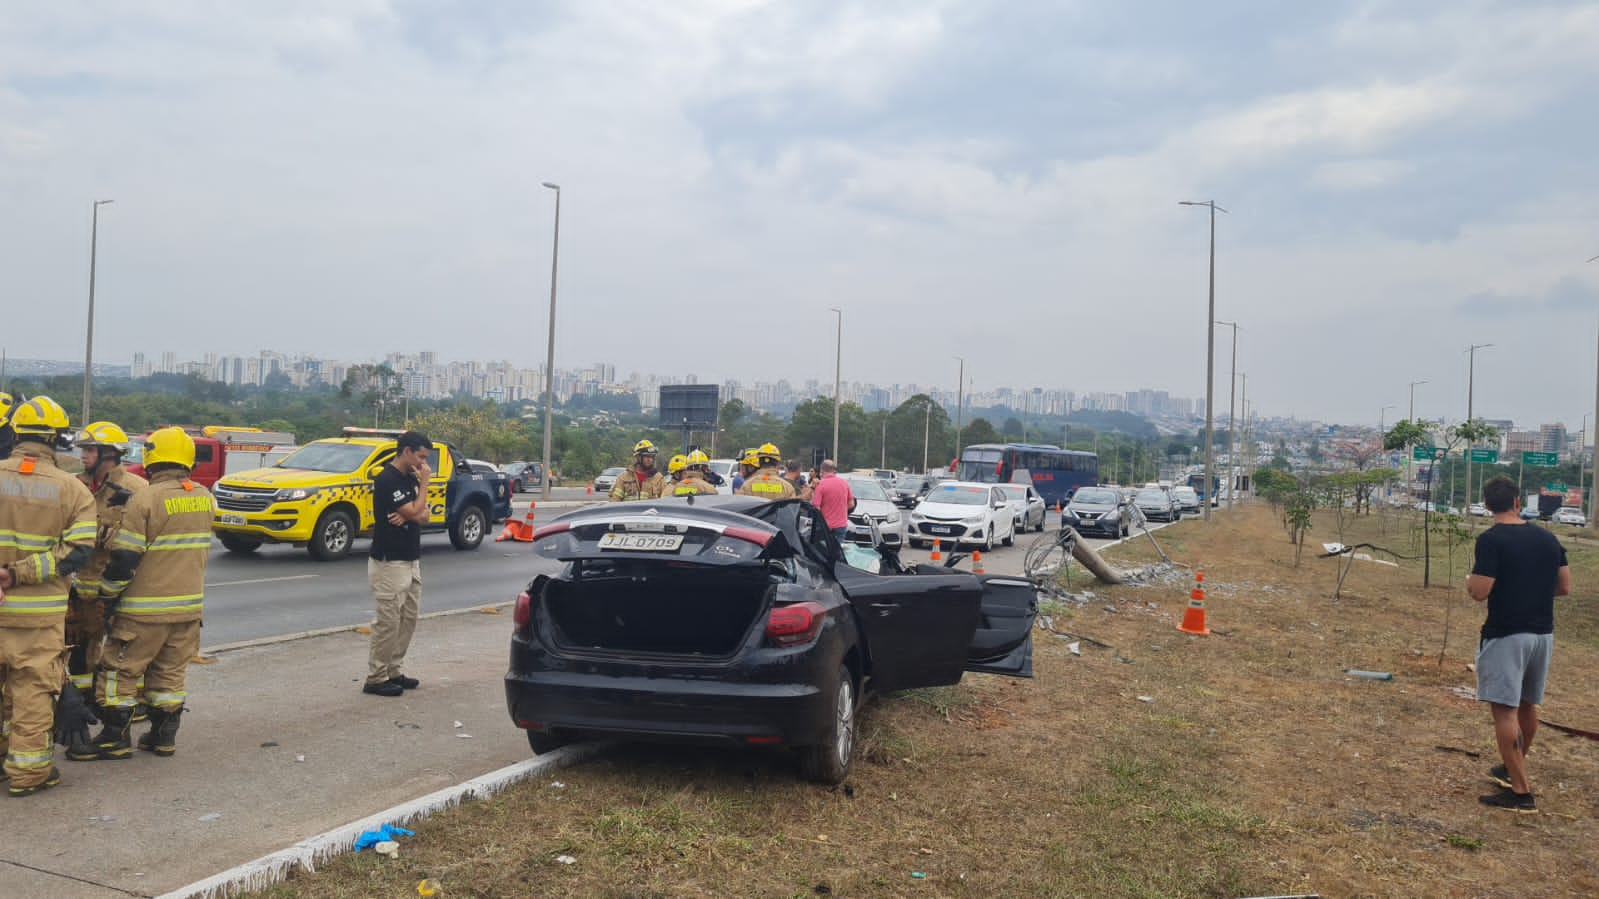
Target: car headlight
x=975, y=519
x=290, y=494
x=916, y=516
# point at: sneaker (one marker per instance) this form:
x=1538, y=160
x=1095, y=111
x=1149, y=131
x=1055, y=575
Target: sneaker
x=1521, y=803
x=50, y=781
x=1500, y=775
x=406, y=683
x=387, y=688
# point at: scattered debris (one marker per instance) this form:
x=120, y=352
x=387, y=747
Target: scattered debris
x=1574, y=731
x=100, y=818
x=211, y=816
x=388, y=849
x=489, y=610
x=464, y=736
x=404, y=724
x=1463, y=692
x=369, y=839
x=566, y=859
x=1369, y=675
x=299, y=758
x=268, y=744
x=1075, y=648
x=557, y=785
x=427, y=887
x=1146, y=699
x=459, y=725
x=1466, y=752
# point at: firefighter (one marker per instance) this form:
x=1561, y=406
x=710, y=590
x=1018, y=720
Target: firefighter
x=48, y=524
x=102, y=447
x=766, y=482
x=154, y=590
x=641, y=481
x=675, y=468
x=8, y=437
x=696, y=466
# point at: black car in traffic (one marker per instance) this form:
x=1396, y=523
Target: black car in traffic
x=731, y=620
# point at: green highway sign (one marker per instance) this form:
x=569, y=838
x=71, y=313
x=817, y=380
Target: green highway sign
x=1545, y=460
x=1485, y=455
x=1555, y=487
x=1426, y=453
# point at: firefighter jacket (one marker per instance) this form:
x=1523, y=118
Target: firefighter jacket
x=47, y=530
x=627, y=486
x=692, y=484
x=767, y=484
x=110, y=502
x=157, y=565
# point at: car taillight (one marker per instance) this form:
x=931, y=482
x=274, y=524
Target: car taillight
x=759, y=538
x=550, y=530
x=795, y=624
x=523, y=614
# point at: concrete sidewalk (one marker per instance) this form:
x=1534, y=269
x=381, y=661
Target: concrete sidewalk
x=237, y=789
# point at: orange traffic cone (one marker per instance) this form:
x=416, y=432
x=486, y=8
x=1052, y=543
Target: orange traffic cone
x=519, y=531
x=591, y=488
x=977, y=562
x=1194, y=616
x=936, y=556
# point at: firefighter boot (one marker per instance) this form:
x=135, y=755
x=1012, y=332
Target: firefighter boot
x=111, y=743
x=162, y=738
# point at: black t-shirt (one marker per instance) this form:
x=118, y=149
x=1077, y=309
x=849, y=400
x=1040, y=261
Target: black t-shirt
x=1525, y=561
x=394, y=543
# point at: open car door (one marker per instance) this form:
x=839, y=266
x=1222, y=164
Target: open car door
x=918, y=627
x=1003, y=640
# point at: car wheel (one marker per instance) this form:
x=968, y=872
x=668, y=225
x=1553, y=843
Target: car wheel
x=333, y=536
x=988, y=540
x=829, y=762
x=541, y=741
x=240, y=545
x=1010, y=538
x=468, y=530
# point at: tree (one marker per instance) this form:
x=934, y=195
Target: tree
x=377, y=386
x=980, y=431
x=919, y=429
x=1013, y=429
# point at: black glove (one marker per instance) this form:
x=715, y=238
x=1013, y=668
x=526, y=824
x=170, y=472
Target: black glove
x=73, y=717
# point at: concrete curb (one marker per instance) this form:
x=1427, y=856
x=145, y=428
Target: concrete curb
x=274, y=868
x=343, y=628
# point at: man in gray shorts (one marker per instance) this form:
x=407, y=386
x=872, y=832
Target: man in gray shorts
x=1520, y=569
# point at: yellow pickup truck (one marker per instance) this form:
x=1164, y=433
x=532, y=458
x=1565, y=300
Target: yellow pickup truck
x=320, y=497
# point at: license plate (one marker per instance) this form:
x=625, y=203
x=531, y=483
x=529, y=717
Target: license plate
x=940, y=529
x=649, y=543
x=233, y=519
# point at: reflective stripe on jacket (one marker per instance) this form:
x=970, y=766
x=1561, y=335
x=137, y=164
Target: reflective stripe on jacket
x=118, y=483
x=767, y=484
x=168, y=524
x=627, y=486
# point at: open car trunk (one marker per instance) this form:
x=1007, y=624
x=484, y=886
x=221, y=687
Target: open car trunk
x=636, y=606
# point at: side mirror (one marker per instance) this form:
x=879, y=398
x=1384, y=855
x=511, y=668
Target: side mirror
x=373, y=472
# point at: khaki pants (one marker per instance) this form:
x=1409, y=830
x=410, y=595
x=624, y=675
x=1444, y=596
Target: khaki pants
x=31, y=673
x=157, y=651
x=397, y=595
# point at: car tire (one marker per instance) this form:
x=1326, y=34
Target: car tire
x=1010, y=539
x=333, y=536
x=829, y=762
x=468, y=530
x=545, y=741
x=240, y=545
x=988, y=540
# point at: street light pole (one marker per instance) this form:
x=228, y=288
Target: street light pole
x=960, y=410
x=1410, y=478
x=1210, y=362
x=838, y=362
x=1243, y=409
x=1232, y=385
x=88, y=345
x=1471, y=383
x=927, y=429
x=549, y=355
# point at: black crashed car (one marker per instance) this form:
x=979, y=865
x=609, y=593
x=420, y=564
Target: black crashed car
x=731, y=620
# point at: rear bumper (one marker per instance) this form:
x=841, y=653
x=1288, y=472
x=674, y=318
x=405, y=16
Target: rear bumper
x=734, y=704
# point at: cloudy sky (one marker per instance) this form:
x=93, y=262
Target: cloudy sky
x=997, y=180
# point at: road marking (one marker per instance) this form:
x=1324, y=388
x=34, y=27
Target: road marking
x=264, y=580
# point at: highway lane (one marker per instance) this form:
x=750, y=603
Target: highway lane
x=279, y=590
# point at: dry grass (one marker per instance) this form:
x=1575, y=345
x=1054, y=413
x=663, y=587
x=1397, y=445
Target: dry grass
x=1258, y=767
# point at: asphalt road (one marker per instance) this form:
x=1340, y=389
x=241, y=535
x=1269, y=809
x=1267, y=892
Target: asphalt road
x=279, y=590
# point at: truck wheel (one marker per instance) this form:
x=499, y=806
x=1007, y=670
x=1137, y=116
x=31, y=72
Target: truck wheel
x=468, y=530
x=240, y=545
x=829, y=762
x=544, y=741
x=334, y=534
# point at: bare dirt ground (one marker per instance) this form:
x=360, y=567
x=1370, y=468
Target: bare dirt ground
x=1246, y=763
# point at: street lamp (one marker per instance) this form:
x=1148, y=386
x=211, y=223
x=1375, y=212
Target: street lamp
x=927, y=429
x=88, y=344
x=1471, y=383
x=549, y=356
x=1410, y=478
x=1210, y=360
x=960, y=409
x=1232, y=384
x=838, y=361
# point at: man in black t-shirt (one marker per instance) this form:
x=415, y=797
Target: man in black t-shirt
x=394, y=571
x=1520, y=569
